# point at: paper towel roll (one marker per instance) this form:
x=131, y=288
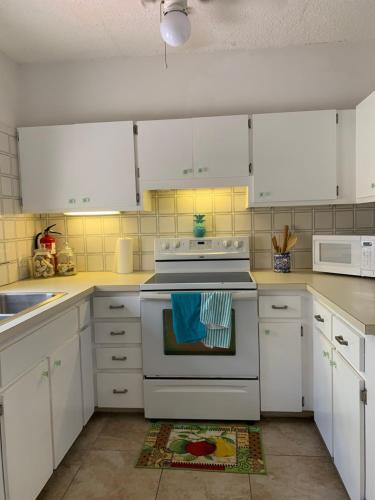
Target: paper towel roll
x=123, y=258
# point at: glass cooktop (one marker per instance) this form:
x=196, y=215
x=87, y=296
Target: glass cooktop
x=212, y=280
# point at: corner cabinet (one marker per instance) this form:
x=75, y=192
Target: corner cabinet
x=365, y=150
x=80, y=167
x=193, y=152
x=294, y=157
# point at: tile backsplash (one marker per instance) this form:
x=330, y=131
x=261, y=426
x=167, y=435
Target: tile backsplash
x=93, y=238
x=16, y=230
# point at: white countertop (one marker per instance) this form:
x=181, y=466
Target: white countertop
x=352, y=297
x=74, y=289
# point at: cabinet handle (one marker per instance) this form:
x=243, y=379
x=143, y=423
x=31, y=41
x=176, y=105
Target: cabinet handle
x=319, y=318
x=187, y=171
x=119, y=358
x=117, y=307
x=279, y=307
x=57, y=363
x=117, y=333
x=325, y=354
x=372, y=185
x=333, y=364
x=267, y=332
x=202, y=169
x=86, y=199
x=120, y=391
x=45, y=373
x=340, y=339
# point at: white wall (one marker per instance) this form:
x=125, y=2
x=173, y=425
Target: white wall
x=309, y=77
x=8, y=91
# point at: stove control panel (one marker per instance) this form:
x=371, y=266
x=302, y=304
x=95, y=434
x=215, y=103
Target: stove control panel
x=185, y=248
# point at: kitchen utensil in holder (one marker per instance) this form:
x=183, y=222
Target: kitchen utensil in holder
x=281, y=262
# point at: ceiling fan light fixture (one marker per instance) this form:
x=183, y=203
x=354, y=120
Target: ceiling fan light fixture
x=175, y=28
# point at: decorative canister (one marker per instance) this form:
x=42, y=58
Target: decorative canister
x=281, y=262
x=199, y=229
x=43, y=263
x=66, y=264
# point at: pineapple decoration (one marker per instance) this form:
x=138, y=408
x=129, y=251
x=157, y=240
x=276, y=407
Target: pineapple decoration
x=199, y=229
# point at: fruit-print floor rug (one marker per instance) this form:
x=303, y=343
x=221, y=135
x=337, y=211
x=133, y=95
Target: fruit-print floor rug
x=201, y=446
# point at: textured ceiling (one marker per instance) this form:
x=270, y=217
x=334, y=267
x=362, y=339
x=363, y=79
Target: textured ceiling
x=66, y=30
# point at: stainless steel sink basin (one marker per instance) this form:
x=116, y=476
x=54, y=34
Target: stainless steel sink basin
x=14, y=303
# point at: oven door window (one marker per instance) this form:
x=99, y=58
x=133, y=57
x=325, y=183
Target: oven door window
x=171, y=348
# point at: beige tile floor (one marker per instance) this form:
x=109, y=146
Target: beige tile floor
x=100, y=466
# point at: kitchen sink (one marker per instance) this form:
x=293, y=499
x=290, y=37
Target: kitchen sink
x=14, y=303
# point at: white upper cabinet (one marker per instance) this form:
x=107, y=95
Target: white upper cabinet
x=165, y=149
x=81, y=167
x=365, y=150
x=194, y=152
x=294, y=157
x=221, y=146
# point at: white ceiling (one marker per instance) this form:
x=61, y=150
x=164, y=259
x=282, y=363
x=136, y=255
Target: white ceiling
x=67, y=30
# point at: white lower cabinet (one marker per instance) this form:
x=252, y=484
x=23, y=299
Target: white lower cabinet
x=348, y=426
x=26, y=434
x=280, y=366
x=323, y=404
x=66, y=393
x=87, y=374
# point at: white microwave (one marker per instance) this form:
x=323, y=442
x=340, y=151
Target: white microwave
x=341, y=254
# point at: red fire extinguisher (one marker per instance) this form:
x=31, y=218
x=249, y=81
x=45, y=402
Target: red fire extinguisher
x=47, y=241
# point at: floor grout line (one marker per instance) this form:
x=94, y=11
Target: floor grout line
x=71, y=482
x=157, y=490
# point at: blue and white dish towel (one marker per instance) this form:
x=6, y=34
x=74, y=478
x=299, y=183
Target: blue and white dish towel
x=216, y=315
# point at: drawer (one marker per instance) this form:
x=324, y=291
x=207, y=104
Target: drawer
x=117, y=306
x=280, y=306
x=322, y=319
x=118, y=357
x=124, y=332
x=120, y=390
x=84, y=314
x=349, y=343
x=27, y=352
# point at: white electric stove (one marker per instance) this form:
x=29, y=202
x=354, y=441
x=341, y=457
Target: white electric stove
x=191, y=380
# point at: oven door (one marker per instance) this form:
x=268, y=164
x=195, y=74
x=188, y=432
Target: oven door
x=163, y=357
x=337, y=254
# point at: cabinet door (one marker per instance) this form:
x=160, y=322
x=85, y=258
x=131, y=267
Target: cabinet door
x=26, y=434
x=365, y=149
x=165, y=149
x=65, y=167
x=66, y=392
x=280, y=376
x=221, y=146
x=87, y=374
x=323, y=388
x=294, y=156
x=348, y=426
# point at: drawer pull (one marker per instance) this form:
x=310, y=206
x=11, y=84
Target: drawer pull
x=325, y=354
x=120, y=391
x=122, y=332
x=319, y=318
x=279, y=307
x=117, y=307
x=340, y=339
x=119, y=358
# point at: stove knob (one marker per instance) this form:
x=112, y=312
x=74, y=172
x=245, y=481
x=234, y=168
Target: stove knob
x=226, y=243
x=165, y=245
x=237, y=244
x=176, y=244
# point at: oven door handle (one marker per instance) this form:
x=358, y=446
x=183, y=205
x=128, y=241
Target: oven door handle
x=240, y=295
